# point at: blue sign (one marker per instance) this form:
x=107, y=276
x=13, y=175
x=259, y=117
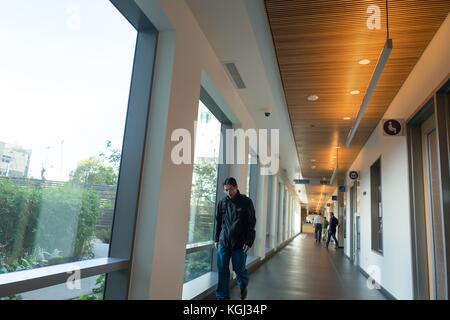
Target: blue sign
x=334, y=198
x=341, y=188
x=301, y=181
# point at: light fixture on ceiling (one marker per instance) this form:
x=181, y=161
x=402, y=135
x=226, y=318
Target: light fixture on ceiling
x=382, y=60
x=313, y=167
x=354, y=92
x=313, y=98
x=364, y=61
x=313, y=160
x=346, y=118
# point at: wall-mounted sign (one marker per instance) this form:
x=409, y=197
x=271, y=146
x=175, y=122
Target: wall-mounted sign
x=311, y=181
x=301, y=181
x=341, y=188
x=334, y=198
x=393, y=127
x=353, y=175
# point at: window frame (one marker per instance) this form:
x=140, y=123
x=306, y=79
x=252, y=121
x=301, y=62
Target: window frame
x=222, y=173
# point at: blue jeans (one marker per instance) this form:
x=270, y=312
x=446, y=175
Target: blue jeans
x=238, y=259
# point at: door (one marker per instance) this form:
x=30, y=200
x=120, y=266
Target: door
x=433, y=210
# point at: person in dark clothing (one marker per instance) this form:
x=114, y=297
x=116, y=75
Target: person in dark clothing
x=234, y=236
x=332, y=224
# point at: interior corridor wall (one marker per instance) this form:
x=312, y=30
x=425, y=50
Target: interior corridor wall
x=395, y=264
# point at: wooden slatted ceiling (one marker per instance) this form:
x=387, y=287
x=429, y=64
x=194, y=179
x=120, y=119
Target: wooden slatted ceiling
x=318, y=45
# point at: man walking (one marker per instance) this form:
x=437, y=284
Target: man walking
x=234, y=236
x=318, y=225
x=332, y=230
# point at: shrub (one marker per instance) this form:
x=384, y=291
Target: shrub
x=104, y=234
x=57, y=219
x=97, y=292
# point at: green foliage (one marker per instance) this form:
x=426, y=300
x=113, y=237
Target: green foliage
x=203, y=199
x=12, y=297
x=197, y=264
x=93, y=171
x=35, y=221
x=104, y=234
x=111, y=156
x=97, y=292
x=205, y=184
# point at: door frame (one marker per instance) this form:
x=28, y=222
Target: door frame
x=438, y=105
x=353, y=201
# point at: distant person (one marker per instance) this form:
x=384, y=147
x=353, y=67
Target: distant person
x=332, y=230
x=318, y=227
x=324, y=228
x=234, y=236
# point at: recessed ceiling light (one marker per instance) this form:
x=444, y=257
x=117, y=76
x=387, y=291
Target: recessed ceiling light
x=354, y=92
x=313, y=98
x=347, y=118
x=313, y=167
x=313, y=160
x=364, y=61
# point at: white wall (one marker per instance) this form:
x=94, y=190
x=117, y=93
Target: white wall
x=430, y=72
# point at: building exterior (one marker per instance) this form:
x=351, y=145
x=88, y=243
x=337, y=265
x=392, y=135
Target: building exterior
x=15, y=160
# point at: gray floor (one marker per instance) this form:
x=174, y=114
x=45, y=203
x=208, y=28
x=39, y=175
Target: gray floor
x=306, y=270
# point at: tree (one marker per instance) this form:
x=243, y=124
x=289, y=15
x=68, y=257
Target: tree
x=205, y=183
x=111, y=156
x=203, y=199
x=92, y=171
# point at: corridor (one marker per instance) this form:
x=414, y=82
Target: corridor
x=305, y=271
x=136, y=136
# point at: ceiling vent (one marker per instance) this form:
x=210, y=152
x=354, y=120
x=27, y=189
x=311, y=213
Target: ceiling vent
x=234, y=74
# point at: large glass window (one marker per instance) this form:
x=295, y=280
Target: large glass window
x=204, y=190
x=376, y=206
x=65, y=79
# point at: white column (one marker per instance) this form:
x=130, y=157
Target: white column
x=162, y=225
x=280, y=216
x=288, y=215
x=274, y=213
x=261, y=217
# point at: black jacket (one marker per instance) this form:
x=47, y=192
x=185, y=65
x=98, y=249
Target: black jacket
x=333, y=223
x=235, y=222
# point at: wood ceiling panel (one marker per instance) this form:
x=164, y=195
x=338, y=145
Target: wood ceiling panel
x=318, y=46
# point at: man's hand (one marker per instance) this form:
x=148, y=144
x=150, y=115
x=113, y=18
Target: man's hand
x=246, y=248
x=216, y=244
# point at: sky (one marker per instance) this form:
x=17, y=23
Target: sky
x=65, y=72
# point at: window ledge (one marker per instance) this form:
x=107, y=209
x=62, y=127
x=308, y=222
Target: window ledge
x=28, y=280
x=204, y=285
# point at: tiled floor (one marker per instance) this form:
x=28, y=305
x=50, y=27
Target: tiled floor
x=306, y=270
